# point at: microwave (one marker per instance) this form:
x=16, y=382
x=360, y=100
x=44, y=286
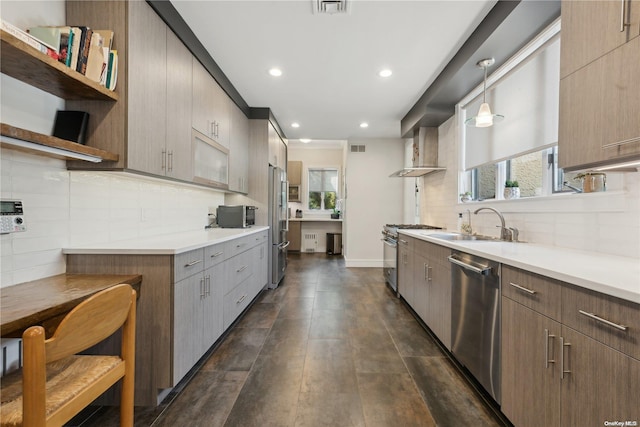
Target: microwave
x=237, y=216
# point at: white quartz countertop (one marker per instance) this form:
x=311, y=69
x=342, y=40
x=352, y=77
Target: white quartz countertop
x=168, y=244
x=612, y=275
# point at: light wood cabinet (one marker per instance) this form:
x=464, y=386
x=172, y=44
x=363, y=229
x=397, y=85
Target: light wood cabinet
x=295, y=236
x=179, y=160
x=239, y=151
x=210, y=106
x=599, y=89
x=183, y=307
x=421, y=284
x=591, y=29
x=294, y=172
x=530, y=367
x=568, y=369
x=406, y=283
x=438, y=316
x=277, y=149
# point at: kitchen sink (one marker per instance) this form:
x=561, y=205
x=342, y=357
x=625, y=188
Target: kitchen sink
x=460, y=236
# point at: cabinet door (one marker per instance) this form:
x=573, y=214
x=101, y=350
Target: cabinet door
x=590, y=29
x=202, y=99
x=603, y=384
x=295, y=236
x=406, y=285
x=239, y=151
x=294, y=172
x=439, y=302
x=421, y=279
x=530, y=367
x=599, y=109
x=212, y=305
x=221, y=113
x=187, y=324
x=178, y=119
x=147, y=96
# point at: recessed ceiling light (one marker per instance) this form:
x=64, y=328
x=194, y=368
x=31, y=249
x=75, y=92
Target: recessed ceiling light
x=275, y=72
x=364, y=125
x=305, y=140
x=385, y=73
x=295, y=125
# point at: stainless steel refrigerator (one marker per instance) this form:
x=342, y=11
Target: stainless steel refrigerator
x=279, y=223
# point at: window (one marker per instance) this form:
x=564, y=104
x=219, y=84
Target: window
x=323, y=188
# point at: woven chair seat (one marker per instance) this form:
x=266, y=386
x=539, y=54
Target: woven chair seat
x=66, y=378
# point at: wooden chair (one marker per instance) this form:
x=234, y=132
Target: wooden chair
x=55, y=383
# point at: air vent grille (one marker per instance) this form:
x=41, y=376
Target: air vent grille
x=358, y=148
x=331, y=6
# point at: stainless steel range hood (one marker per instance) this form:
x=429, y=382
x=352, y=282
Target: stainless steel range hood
x=417, y=171
x=425, y=154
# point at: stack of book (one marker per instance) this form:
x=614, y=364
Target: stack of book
x=83, y=49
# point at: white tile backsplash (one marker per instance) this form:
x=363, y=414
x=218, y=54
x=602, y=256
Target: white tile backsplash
x=65, y=208
x=607, y=222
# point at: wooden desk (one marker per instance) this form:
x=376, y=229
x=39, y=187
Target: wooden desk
x=46, y=301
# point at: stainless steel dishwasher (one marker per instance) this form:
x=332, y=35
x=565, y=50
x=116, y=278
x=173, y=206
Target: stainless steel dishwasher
x=475, y=318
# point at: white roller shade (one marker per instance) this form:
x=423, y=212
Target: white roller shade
x=323, y=180
x=528, y=97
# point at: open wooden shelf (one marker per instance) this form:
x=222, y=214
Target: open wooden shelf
x=38, y=139
x=23, y=62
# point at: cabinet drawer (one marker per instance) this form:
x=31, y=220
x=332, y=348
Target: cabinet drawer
x=240, y=268
x=188, y=263
x=406, y=242
x=539, y=293
x=235, y=302
x=435, y=253
x=215, y=254
x=579, y=306
x=240, y=244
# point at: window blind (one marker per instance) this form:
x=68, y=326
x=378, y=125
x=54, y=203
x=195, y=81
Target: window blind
x=528, y=97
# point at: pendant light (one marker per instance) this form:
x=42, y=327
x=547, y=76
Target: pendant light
x=484, y=118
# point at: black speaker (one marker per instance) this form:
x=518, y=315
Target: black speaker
x=71, y=125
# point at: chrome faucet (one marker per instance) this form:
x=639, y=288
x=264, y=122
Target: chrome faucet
x=506, y=234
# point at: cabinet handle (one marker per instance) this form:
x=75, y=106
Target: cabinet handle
x=201, y=288
x=601, y=320
x=404, y=242
x=241, y=269
x=217, y=254
x=623, y=142
x=562, y=346
x=164, y=159
x=192, y=263
x=170, y=157
x=241, y=299
x=522, y=288
x=547, y=335
x=622, y=16
x=207, y=287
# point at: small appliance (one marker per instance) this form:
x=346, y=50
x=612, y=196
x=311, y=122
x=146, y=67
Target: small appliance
x=236, y=216
x=11, y=216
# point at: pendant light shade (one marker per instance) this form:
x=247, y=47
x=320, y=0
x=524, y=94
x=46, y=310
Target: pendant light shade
x=484, y=118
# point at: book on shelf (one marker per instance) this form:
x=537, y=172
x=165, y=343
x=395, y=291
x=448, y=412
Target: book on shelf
x=95, y=60
x=112, y=70
x=107, y=42
x=83, y=53
x=75, y=47
x=28, y=39
x=56, y=37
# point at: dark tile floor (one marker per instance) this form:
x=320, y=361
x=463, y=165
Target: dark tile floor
x=331, y=346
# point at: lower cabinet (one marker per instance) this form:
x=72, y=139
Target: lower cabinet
x=185, y=303
x=554, y=375
x=197, y=317
x=424, y=281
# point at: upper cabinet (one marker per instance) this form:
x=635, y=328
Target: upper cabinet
x=239, y=151
x=211, y=107
x=599, y=89
x=277, y=149
x=591, y=29
x=294, y=172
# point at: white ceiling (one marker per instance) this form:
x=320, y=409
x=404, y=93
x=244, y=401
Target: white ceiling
x=330, y=63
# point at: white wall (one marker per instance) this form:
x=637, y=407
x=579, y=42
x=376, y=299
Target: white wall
x=373, y=199
x=65, y=208
x=607, y=223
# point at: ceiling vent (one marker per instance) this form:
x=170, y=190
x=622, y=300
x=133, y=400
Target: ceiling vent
x=331, y=6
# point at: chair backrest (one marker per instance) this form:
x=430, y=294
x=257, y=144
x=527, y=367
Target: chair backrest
x=90, y=322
